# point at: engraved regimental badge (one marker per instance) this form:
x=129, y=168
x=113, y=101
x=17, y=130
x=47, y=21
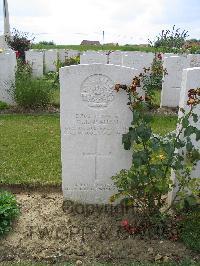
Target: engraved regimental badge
x=98, y=91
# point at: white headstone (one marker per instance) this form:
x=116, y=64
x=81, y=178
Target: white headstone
x=168, y=55
x=7, y=76
x=171, y=86
x=63, y=55
x=93, y=57
x=138, y=60
x=73, y=53
x=50, y=60
x=190, y=80
x=127, y=59
x=36, y=61
x=93, y=118
x=115, y=58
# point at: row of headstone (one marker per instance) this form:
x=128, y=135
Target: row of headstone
x=91, y=57
x=174, y=65
x=45, y=61
x=137, y=60
x=93, y=118
x=8, y=66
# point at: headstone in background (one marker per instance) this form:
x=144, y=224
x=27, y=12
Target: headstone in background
x=93, y=57
x=36, y=60
x=171, y=87
x=7, y=76
x=127, y=59
x=50, y=60
x=73, y=53
x=115, y=58
x=138, y=60
x=62, y=55
x=93, y=118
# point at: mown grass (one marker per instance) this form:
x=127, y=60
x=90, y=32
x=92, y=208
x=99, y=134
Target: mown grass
x=163, y=124
x=30, y=147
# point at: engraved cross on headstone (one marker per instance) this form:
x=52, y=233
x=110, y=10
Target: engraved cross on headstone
x=97, y=155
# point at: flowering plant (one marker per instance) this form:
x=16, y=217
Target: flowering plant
x=20, y=42
x=147, y=183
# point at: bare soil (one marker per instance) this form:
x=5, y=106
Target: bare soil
x=45, y=232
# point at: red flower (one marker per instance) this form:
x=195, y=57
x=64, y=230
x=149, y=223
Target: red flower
x=159, y=56
x=125, y=223
x=17, y=54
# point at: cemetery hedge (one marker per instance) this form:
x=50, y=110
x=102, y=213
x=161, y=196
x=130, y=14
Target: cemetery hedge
x=30, y=147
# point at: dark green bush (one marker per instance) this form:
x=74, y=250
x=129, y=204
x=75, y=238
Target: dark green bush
x=31, y=92
x=9, y=210
x=190, y=233
x=3, y=105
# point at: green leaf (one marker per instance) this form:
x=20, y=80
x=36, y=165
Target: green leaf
x=189, y=146
x=197, y=135
x=185, y=122
x=189, y=131
x=126, y=141
x=195, y=118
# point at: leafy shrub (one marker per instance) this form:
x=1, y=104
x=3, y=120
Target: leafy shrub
x=152, y=78
x=30, y=92
x=68, y=62
x=3, y=105
x=72, y=61
x=190, y=233
x=9, y=210
x=20, y=42
x=148, y=181
x=171, y=38
x=54, y=76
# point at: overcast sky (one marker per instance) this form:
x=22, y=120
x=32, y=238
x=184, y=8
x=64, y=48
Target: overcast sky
x=124, y=21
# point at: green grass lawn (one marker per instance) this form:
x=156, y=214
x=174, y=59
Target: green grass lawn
x=30, y=147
